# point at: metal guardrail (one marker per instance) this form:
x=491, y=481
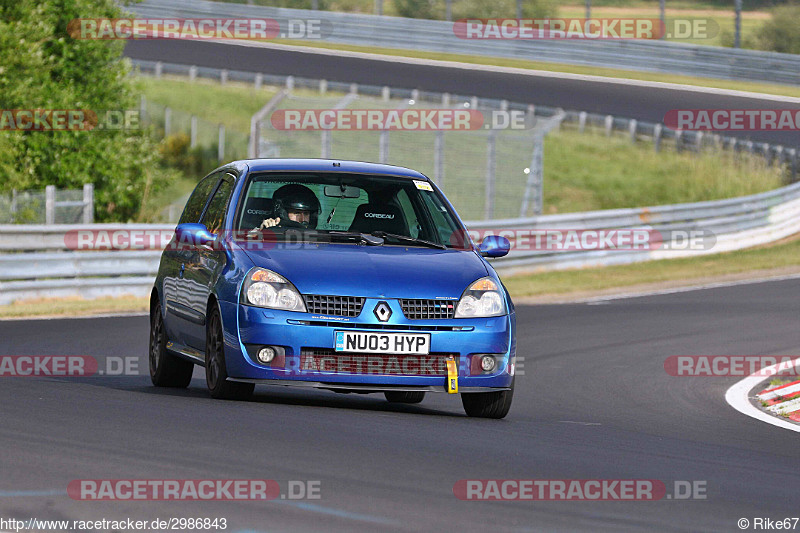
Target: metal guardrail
x=48, y=271
x=438, y=36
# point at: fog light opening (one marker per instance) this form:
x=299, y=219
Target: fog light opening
x=487, y=363
x=266, y=354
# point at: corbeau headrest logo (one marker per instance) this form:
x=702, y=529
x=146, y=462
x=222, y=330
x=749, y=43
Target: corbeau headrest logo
x=378, y=215
x=256, y=212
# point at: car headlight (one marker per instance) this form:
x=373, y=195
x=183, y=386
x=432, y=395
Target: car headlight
x=481, y=299
x=265, y=288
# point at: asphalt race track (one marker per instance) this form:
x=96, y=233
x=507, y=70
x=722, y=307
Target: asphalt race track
x=641, y=103
x=594, y=403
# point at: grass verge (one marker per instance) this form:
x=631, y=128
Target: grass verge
x=763, y=261
x=66, y=307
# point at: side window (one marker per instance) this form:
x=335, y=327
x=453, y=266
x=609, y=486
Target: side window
x=215, y=214
x=443, y=222
x=197, y=201
x=409, y=213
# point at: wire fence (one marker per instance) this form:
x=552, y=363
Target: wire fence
x=48, y=206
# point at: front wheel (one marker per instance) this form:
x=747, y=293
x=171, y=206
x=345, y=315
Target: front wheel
x=166, y=369
x=488, y=404
x=216, y=371
x=404, y=396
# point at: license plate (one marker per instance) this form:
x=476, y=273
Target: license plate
x=394, y=343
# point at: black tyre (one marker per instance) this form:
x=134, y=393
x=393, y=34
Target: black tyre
x=216, y=371
x=488, y=404
x=404, y=396
x=166, y=369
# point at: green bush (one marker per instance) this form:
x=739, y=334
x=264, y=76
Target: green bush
x=41, y=66
x=782, y=32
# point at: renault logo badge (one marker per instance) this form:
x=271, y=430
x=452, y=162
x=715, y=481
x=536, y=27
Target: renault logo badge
x=382, y=311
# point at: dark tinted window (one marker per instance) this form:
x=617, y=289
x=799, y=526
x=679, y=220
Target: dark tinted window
x=197, y=201
x=215, y=214
x=356, y=203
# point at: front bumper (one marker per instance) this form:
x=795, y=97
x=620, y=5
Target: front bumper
x=461, y=338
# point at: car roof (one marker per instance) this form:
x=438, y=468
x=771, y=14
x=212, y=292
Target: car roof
x=329, y=165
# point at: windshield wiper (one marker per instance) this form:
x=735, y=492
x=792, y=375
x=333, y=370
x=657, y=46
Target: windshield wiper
x=362, y=238
x=406, y=238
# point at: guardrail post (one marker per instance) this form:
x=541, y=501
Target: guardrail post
x=193, y=132
x=488, y=208
x=445, y=100
x=415, y=95
x=503, y=105
x=699, y=140
x=438, y=158
x=678, y=140
x=473, y=102
x=142, y=107
x=13, y=205
x=325, y=144
x=385, y=93
x=632, y=129
x=383, y=146
x=167, y=121
x=192, y=73
x=609, y=125
x=323, y=86
x=657, y=137
x=792, y=165
x=749, y=147
x=221, y=143
x=535, y=182
x=88, y=203
x=159, y=68
x=582, y=121
x=223, y=77
x=50, y=204
x=290, y=83
x=259, y=81
x=353, y=88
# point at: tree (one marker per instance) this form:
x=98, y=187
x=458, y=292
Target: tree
x=43, y=67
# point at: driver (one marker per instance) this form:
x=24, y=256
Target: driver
x=297, y=207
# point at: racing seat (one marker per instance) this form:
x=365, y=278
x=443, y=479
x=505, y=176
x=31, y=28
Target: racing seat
x=255, y=211
x=379, y=217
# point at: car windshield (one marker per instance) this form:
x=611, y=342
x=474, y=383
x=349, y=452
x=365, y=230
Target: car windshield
x=344, y=206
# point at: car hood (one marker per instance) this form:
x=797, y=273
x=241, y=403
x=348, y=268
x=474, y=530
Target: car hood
x=374, y=271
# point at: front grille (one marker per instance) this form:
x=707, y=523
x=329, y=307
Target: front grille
x=428, y=309
x=334, y=305
x=327, y=360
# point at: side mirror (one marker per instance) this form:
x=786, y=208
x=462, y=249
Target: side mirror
x=494, y=246
x=194, y=235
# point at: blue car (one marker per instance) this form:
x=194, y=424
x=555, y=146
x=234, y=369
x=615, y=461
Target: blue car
x=340, y=275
